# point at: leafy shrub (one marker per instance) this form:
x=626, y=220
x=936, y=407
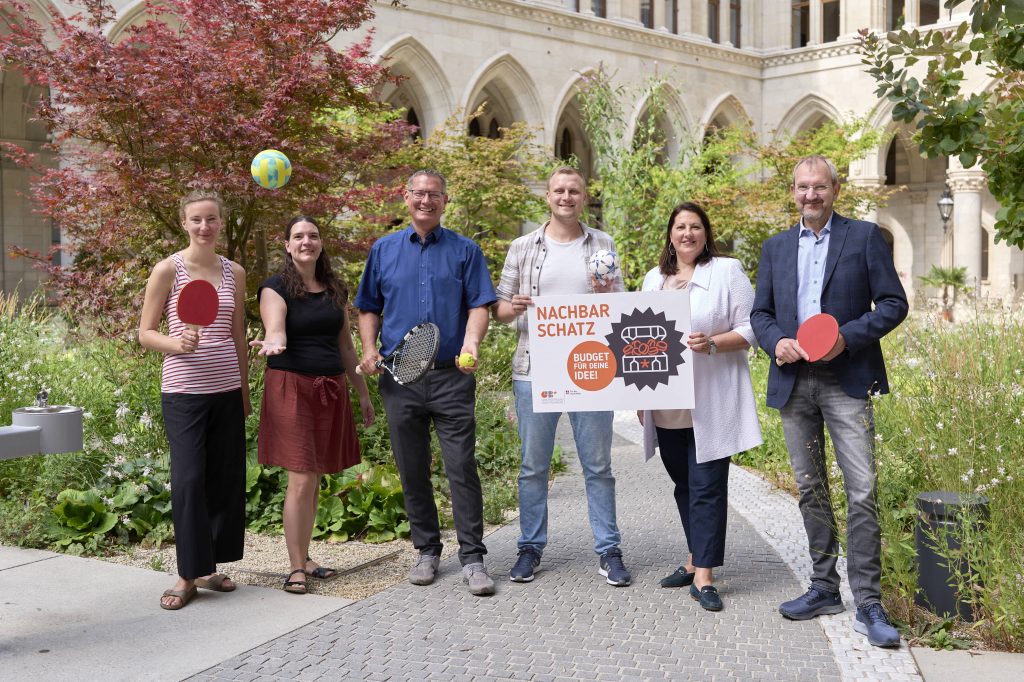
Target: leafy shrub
x=80, y=518
x=952, y=422
x=124, y=468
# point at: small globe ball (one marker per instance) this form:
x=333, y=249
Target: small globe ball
x=271, y=169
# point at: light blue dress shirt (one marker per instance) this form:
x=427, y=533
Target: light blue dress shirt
x=810, y=269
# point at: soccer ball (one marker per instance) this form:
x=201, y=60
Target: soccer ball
x=271, y=169
x=602, y=265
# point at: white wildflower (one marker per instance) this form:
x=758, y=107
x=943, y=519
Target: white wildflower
x=122, y=410
x=145, y=420
x=120, y=439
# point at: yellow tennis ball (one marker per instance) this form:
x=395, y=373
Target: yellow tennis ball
x=467, y=360
x=271, y=169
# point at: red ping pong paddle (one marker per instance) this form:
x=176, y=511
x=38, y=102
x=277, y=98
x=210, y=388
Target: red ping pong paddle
x=818, y=335
x=198, y=303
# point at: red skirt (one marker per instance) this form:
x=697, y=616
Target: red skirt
x=306, y=423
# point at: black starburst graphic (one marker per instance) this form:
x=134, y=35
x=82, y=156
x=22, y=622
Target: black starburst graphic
x=648, y=347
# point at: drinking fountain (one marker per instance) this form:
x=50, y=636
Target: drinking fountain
x=42, y=429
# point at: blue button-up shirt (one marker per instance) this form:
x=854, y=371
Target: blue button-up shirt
x=408, y=281
x=810, y=274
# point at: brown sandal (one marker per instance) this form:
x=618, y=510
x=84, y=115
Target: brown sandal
x=295, y=586
x=184, y=596
x=216, y=583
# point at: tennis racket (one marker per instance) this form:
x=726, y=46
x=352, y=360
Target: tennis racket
x=817, y=336
x=198, y=304
x=414, y=355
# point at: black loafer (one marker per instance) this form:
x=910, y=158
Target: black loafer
x=678, y=579
x=707, y=596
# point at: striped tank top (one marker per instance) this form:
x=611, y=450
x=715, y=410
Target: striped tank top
x=213, y=368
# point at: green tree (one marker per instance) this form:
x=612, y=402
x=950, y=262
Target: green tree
x=187, y=99
x=986, y=126
x=743, y=183
x=492, y=182
x=954, y=278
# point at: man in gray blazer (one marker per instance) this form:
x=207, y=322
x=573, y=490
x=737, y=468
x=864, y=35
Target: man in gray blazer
x=831, y=264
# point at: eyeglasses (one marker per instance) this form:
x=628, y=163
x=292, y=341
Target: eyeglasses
x=419, y=194
x=818, y=189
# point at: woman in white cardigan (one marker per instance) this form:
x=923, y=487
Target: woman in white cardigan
x=696, y=445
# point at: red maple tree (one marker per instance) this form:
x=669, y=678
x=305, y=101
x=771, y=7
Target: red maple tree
x=186, y=99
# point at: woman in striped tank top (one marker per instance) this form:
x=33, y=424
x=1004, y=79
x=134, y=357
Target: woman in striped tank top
x=205, y=399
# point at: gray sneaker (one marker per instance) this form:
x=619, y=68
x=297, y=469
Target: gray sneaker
x=425, y=569
x=480, y=583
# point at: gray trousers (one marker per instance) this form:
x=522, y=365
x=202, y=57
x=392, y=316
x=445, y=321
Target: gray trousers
x=818, y=401
x=446, y=398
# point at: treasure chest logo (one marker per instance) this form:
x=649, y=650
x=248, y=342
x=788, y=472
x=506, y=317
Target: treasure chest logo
x=648, y=347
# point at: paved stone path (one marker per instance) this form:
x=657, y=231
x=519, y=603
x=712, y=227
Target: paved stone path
x=568, y=624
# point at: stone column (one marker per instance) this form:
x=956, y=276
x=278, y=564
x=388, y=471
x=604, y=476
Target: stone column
x=724, y=25
x=966, y=186
x=586, y=8
x=626, y=11
x=699, y=14
x=815, y=34
x=660, y=23
x=911, y=15
x=684, y=18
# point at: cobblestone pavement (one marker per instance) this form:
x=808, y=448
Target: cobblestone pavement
x=568, y=624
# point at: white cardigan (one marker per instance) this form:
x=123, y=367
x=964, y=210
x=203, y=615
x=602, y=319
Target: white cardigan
x=724, y=413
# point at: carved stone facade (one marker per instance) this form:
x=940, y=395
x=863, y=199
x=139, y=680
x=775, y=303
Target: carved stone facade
x=785, y=67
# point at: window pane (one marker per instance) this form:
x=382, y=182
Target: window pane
x=894, y=12
x=801, y=23
x=734, y=23
x=713, y=21
x=647, y=13
x=930, y=10
x=829, y=20
x=600, y=8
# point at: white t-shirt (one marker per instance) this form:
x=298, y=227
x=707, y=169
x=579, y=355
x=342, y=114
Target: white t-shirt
x=564, y=272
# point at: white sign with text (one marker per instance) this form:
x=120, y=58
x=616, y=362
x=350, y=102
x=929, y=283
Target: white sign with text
x=611, y=352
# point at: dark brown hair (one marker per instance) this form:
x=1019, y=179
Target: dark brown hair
x=336, y=289
x=667, y=262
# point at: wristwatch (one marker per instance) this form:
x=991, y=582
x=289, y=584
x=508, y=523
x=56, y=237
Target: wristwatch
x=712, y=346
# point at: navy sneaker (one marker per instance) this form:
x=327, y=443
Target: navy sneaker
x=527, y=562
x=873, y=622
x=816, y=602
x=613, y=569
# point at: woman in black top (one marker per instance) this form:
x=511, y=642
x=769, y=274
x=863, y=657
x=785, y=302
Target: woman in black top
x=306, y=421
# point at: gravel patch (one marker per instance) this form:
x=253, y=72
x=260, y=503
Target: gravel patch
x=364, y=569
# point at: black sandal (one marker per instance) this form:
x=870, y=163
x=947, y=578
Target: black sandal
x=321, y=572
x=295, y=586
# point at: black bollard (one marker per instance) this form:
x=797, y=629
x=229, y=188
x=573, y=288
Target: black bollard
x=940, y=520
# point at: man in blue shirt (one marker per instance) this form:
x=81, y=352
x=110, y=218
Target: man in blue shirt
x=426, y=273
x=830, y=264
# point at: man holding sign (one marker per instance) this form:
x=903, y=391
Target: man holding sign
x=554, y=260
x=842, y=267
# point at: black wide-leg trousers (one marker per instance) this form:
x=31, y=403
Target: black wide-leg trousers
x=206, y=433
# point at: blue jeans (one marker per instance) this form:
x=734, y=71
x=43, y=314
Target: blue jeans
x=592, y=432
x=818, y=401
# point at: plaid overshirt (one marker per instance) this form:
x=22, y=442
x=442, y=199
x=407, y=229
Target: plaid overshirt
x=521, y=275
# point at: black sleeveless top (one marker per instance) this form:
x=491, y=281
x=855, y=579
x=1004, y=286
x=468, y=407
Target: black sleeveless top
x=312, y=324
